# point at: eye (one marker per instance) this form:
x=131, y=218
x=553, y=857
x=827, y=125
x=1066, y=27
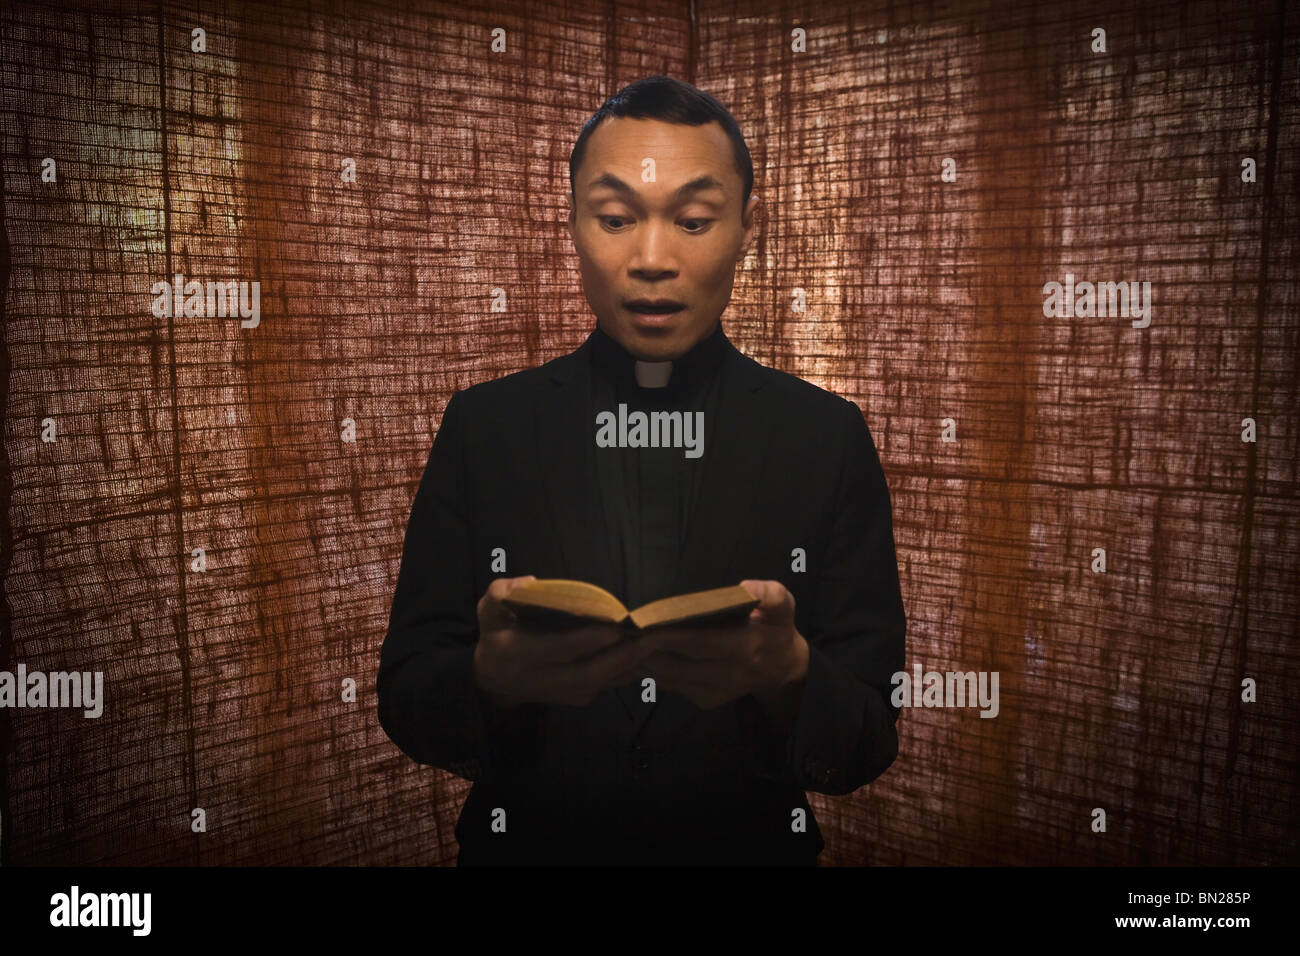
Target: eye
x=704, y=223
x=605, y=220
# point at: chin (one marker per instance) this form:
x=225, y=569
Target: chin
x=649, y=344
x=653, y=348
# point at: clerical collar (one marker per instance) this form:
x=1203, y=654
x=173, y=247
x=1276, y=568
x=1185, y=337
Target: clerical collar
x=700, y=361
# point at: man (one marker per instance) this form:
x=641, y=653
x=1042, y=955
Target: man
x=677, y=745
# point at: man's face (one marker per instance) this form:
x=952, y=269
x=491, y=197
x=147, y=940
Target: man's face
x=656, y=240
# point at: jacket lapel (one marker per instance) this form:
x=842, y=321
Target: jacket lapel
x=735, y=456
x=566, y=456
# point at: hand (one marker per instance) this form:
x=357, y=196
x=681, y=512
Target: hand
x=514, y=664
x=766, y=656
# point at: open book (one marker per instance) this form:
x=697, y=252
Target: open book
x=559, y=603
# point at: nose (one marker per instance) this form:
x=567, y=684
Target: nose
x=654, y=252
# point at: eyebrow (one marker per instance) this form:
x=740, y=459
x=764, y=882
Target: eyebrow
x=696, y=185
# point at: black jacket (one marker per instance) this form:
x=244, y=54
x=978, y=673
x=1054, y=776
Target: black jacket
x=513, y=467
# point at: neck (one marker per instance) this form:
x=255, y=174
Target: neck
x=653, y=374
x=700, y=361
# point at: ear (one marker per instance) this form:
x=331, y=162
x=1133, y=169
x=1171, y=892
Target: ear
x=749, y=220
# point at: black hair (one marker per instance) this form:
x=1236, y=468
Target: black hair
x=664, y=98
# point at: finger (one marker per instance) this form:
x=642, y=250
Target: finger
x=636, y=674
x=571, y=646
x=775, y=603
x=638, y=668
x=584, y=679
x=704, y=692
x=675, y=668
x=720, y=680
x=492, y=614
x=714, y=643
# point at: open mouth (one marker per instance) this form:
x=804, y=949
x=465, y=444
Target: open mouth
x=654, y=306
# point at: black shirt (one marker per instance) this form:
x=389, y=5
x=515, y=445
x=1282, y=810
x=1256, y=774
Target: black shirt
x=649, y=495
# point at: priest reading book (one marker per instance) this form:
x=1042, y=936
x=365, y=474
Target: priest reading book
x=690, y=635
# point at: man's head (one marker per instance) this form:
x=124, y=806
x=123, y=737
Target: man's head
x=678, y=237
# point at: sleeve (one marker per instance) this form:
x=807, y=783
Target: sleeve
x=429, y=704
x=844, y=735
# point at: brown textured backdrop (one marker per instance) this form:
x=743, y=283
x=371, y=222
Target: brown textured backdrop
x=1118, y=691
